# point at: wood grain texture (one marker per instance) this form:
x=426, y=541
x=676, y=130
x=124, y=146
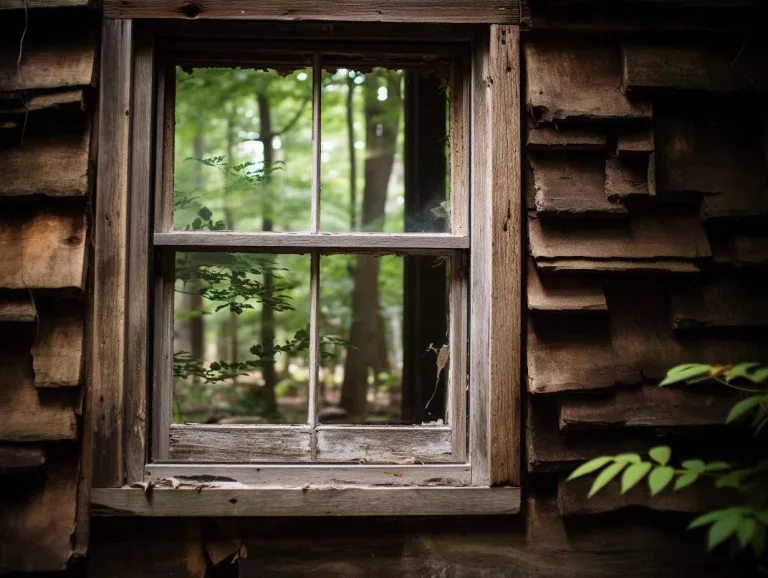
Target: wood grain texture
x=16, y=458
x=39, y=515
x=43, y=249
x=578, y=81
x=546, y=138
x=17, y=4
x=52, y=160
x=370, y=501
x=635, y=143
x=446, y=11
x=627, y=179
x=72, y=99
x=563, y=293
x=572, y=186
x=57, y=352
x=217, y=443
x=17, y=306
x=571, y=265
x=48, y=64
x=377, y=445
x=720, y=302
x=110, y=237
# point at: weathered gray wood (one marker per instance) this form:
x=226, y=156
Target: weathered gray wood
x=460, y=11
x=563, y=293
x=17, y=306
x=43, y=250
x=568, y=185
x=107, y=362
x=546, y=138
x=48, y=65
x=292, y=476
x=382, y=444
x=617, y=266
x=626, y=178
x=16, y=458
x=646, y=406
x=57, y=352
x=571, y=80
x=245, y=443
x=16, y=4
x=687, y=67
x=720, y=302
x=371, y=501
x=635, y=144
x=69, y=99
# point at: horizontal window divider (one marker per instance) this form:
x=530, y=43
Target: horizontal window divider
x=204, y=501
x=371, y=444
x=303, y=475
x=432, y=243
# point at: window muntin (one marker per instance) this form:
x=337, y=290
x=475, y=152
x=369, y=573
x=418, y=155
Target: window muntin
x=434, y=266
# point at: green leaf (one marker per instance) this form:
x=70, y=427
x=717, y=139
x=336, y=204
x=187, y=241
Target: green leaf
x=605, y=476
x=661, y=454
x=744, y=406
x=722, y=530
x=694, y=465
x=659, y=478
x=731, y=479
x=760, y=376
x=740, y=370
x=708, y=518
x=717, y=466
x=685, y=372
x=633, y=474
x=590, y=466
x=686, y=480
x=746, y=532
x=627, y=458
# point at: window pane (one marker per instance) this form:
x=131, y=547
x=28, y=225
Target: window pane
x=241, y=338
x=243, y=148
x=385, y=150
x=384, y=344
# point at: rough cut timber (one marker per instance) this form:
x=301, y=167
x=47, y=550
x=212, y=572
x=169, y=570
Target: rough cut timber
x=27, y=414
x=568, y=185
x=16, y=458
x=626, y=178
x=546, y=138
x=708, y=150
x=55, y=64
x=564, y=293
x=667, y=243
x=39, y=515
x=57, y=352
x=635, y=144
x=43, y=250
x=52, y=160
x=667, y=68
x=578, y=81
x=60, y=99
x=573, y=356
x=646, y=406
x=720, y=302
x=17, y=306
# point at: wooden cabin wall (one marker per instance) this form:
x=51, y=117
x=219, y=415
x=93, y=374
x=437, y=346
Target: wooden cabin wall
x=646, y=182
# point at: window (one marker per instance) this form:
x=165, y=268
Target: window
x=298, y=303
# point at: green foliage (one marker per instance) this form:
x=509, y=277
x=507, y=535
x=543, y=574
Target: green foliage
x=745, y=524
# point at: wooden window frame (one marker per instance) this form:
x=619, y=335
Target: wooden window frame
x=487, y=482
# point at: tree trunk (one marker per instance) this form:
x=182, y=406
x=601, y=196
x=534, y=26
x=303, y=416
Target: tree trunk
x=229, y=219
x=367, y=348
x=193, y=298
x=352, y=153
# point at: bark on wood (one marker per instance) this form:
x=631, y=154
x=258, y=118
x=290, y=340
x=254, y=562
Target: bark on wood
x=57, y=352
x=737, y=302
x=554, y=139
x=577, y=81
x=39, y=516
x=626, y=178
x=16, y=458
x=66, y=63
x=43, y=250
x=17, y=306
x=563, y=293
x=51, y=160
x=568, y=185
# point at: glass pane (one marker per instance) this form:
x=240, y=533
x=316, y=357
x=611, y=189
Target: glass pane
x=384, y=344
x=385, y=150
x=243, y=148
x=241, y=338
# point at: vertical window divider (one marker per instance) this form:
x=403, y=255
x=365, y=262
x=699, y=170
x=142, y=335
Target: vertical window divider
x=314, y=308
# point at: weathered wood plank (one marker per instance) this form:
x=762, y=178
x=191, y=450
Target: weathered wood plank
x=568, y=185
x=720, y=302
x=43, y=249
x=52, y=160
x=17, y=306
x=54, y=64
x=39, y=515
x=110, y=229
x=635, y=144
x=16, y=4
x=373, y=444
x=616, y=266
x=217, y=443
x=646, y=406
x=348, y=501
x=578, y=81
x=563, y=293
x=447, y=11
x=626, y=178
x=59, y=99
x=546, y=138
x=16, y=457
x=57, y=352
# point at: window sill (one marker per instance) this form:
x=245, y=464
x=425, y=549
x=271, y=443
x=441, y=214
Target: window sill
x=242, y=501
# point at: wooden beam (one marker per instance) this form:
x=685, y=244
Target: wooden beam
x=18, y=457
x=58, y=64
x=57, y=353
x=17, y=306
x=438, y=11
x=346, y=501
x=110, y=231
